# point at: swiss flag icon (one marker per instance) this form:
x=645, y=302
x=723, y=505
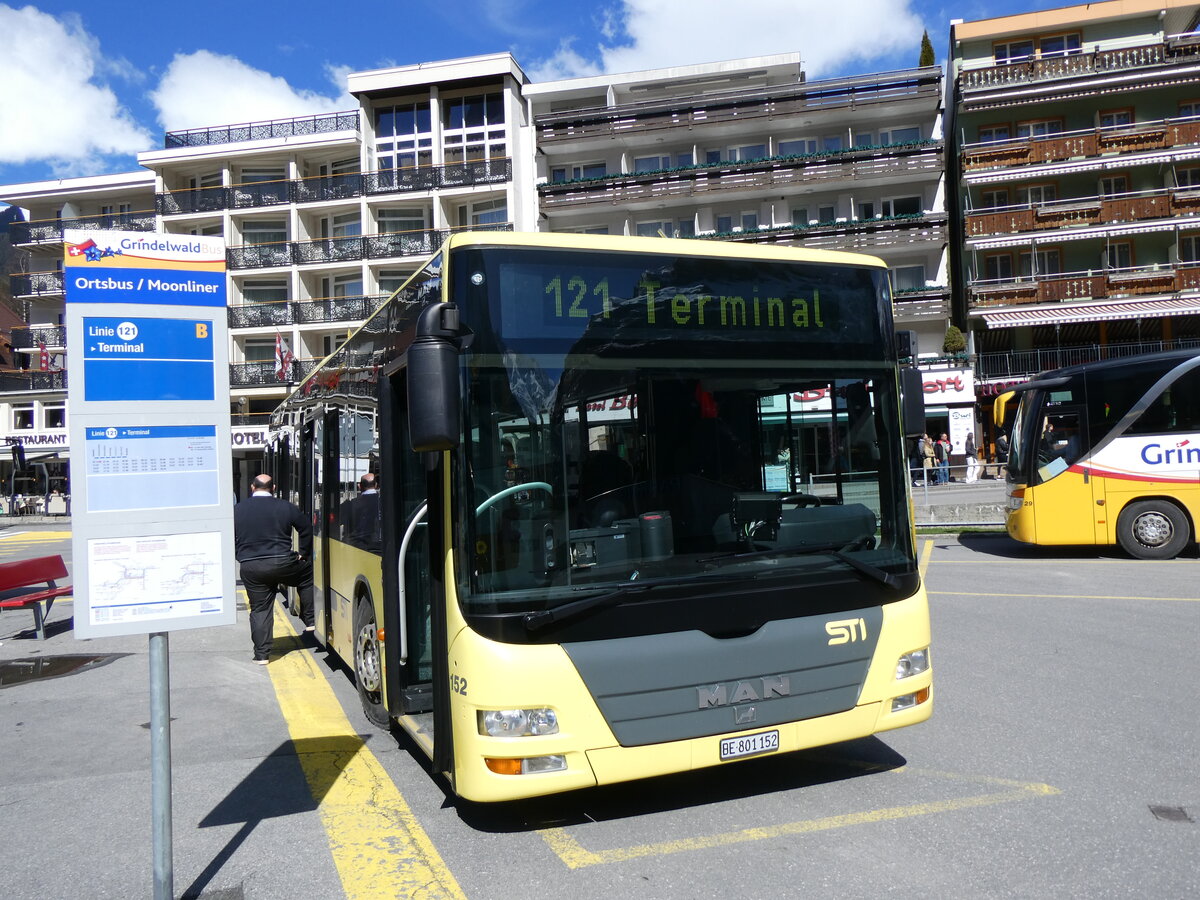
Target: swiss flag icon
x=81, y=249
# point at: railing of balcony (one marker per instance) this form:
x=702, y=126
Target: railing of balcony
x=43, y=231
x=716, y=108
x=255, y=131
x=850, y=234
x=259, y=315
x=36, y=284
x=322, y=188
x=1165, y=278
x=337, y=309
x=910, y=159
x=1018, y=363
x=14, y=382
x=1155, y=134
x=1112, y=208
x=35, y=336
x=262, y=374
x=244, y=420
x=329, y=250
x=1119, y=59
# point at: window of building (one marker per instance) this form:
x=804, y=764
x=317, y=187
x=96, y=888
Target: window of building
x=342, y=225
x=679, y=228
x=1112, y=118
x=473, y=128
x=901, y=206
x=826, y=213
x=908, y=278
x=997, y=267
x=724, y=224
x=1189, y=248
x=207, y=180
x=1047, y=262
x=1039, y=128
x=1058, y=45
x=653, y=229
x=483, y=212
x=992, y=133
x=799, y=215
x=866, y=210
x=403, y=136
x=651, y=163
x=832, y=143
x=749, y=221
x=1188, y=177
x=264, y=231
x=797, y=147
x=22, y=416
x=259, y=349
x=1112, y=185
x=265, y=290
x=559, y=174
x=260, y=174
x=993, y=199
x=1119, y=255
x=54, y=415
x=903, y=135
x=1034, y=194
x=391, y=280
x=1189, y=108
x=400, y=219
x=1014, y=51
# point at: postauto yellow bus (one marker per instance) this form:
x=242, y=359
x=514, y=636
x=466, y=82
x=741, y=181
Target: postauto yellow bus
x=588, y=560
x=1108, y=453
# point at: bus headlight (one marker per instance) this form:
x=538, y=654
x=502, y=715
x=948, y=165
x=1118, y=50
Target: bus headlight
x=912, y=663
x=518, y=722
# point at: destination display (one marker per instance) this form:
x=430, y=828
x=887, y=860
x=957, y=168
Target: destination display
x=148, y=359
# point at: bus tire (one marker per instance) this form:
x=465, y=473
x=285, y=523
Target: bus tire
x=368, y=663
x=1153, y=529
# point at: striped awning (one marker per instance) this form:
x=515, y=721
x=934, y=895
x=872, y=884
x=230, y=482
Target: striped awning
x=1062, y=313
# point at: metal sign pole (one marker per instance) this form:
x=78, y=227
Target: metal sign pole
x=160, y=765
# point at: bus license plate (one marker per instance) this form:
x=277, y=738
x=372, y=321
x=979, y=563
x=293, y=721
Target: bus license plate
x=750, y=745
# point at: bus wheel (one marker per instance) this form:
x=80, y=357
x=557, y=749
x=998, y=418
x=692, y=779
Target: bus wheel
x=368, y=664
x=1153, y=529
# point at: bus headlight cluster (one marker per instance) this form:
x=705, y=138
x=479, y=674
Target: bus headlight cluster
x=518, y=722
x=912, y=663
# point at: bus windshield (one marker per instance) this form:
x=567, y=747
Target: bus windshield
x=638, y=420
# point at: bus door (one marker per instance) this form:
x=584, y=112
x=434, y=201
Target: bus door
x=325, y=497
x=415, y=649
x=1064, y=492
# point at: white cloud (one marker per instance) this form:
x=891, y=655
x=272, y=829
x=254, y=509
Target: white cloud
x=55, y=106
x=565, y=63
x=830, y=36
x=204, y=88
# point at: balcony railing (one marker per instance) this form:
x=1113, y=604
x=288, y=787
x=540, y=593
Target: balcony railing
x=1156, y=134
x=50, y=231
x=728, y=106
x=262, y=374
x=1018, y=363
x=1173, y=51
x=37, y=284
x=850, y=234
x=34, y=337
x=1093, y=285
x=1087, y=211
x=257, y=131
x=14, y=382
x=343, y=249
x=304, y=312
x=780, y=172
x=325, y=188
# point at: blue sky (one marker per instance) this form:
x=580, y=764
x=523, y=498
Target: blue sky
x=88, y=86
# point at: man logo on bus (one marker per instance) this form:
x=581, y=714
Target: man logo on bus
x=846, y=631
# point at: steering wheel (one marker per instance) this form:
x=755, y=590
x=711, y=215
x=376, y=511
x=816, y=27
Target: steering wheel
x=802, y=500
x=509, y=491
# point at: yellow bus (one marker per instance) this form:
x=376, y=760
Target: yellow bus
x=590, y=558
x=1108, y=453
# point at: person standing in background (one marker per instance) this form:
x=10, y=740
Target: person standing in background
x=941, y=451
x=972, y=458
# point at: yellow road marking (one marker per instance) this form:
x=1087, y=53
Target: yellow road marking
x=378, y=846
x=1059, y=596
x=36, y=536
x=576, y=856
x=926, y=555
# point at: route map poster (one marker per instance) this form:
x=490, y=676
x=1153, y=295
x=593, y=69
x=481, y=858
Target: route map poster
x=159, y=576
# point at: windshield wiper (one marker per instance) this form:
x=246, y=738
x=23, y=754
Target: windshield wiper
x=536, y=621
x=838, y=551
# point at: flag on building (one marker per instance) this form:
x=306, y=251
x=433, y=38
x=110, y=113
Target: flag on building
x=283, y=359
x=44, y=355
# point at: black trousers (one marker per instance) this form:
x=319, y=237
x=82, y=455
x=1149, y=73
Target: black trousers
x=260, y=577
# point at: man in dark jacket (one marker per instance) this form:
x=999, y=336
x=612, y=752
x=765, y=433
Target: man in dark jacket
x=262, y=533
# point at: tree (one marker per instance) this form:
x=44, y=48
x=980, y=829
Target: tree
x=927, y=57
x=954, y=342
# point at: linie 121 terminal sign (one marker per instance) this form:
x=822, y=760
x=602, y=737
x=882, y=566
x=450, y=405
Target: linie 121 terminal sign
x=148, y=402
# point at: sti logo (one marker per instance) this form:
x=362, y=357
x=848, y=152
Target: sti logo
x=846, y=631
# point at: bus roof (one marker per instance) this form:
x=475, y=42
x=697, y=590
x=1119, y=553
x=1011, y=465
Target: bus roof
x=673, y=246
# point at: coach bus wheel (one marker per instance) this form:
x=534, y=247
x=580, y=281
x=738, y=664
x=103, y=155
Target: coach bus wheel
x=368, y=664
x=1152, y=529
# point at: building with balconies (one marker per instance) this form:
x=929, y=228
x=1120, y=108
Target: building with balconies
x=323, y=217
x=1074, y=149
x=750, y=151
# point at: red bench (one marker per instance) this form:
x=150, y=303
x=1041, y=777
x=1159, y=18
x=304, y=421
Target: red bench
x=25, y=573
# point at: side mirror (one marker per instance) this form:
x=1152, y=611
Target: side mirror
x=912, y=401
x=433, y=385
